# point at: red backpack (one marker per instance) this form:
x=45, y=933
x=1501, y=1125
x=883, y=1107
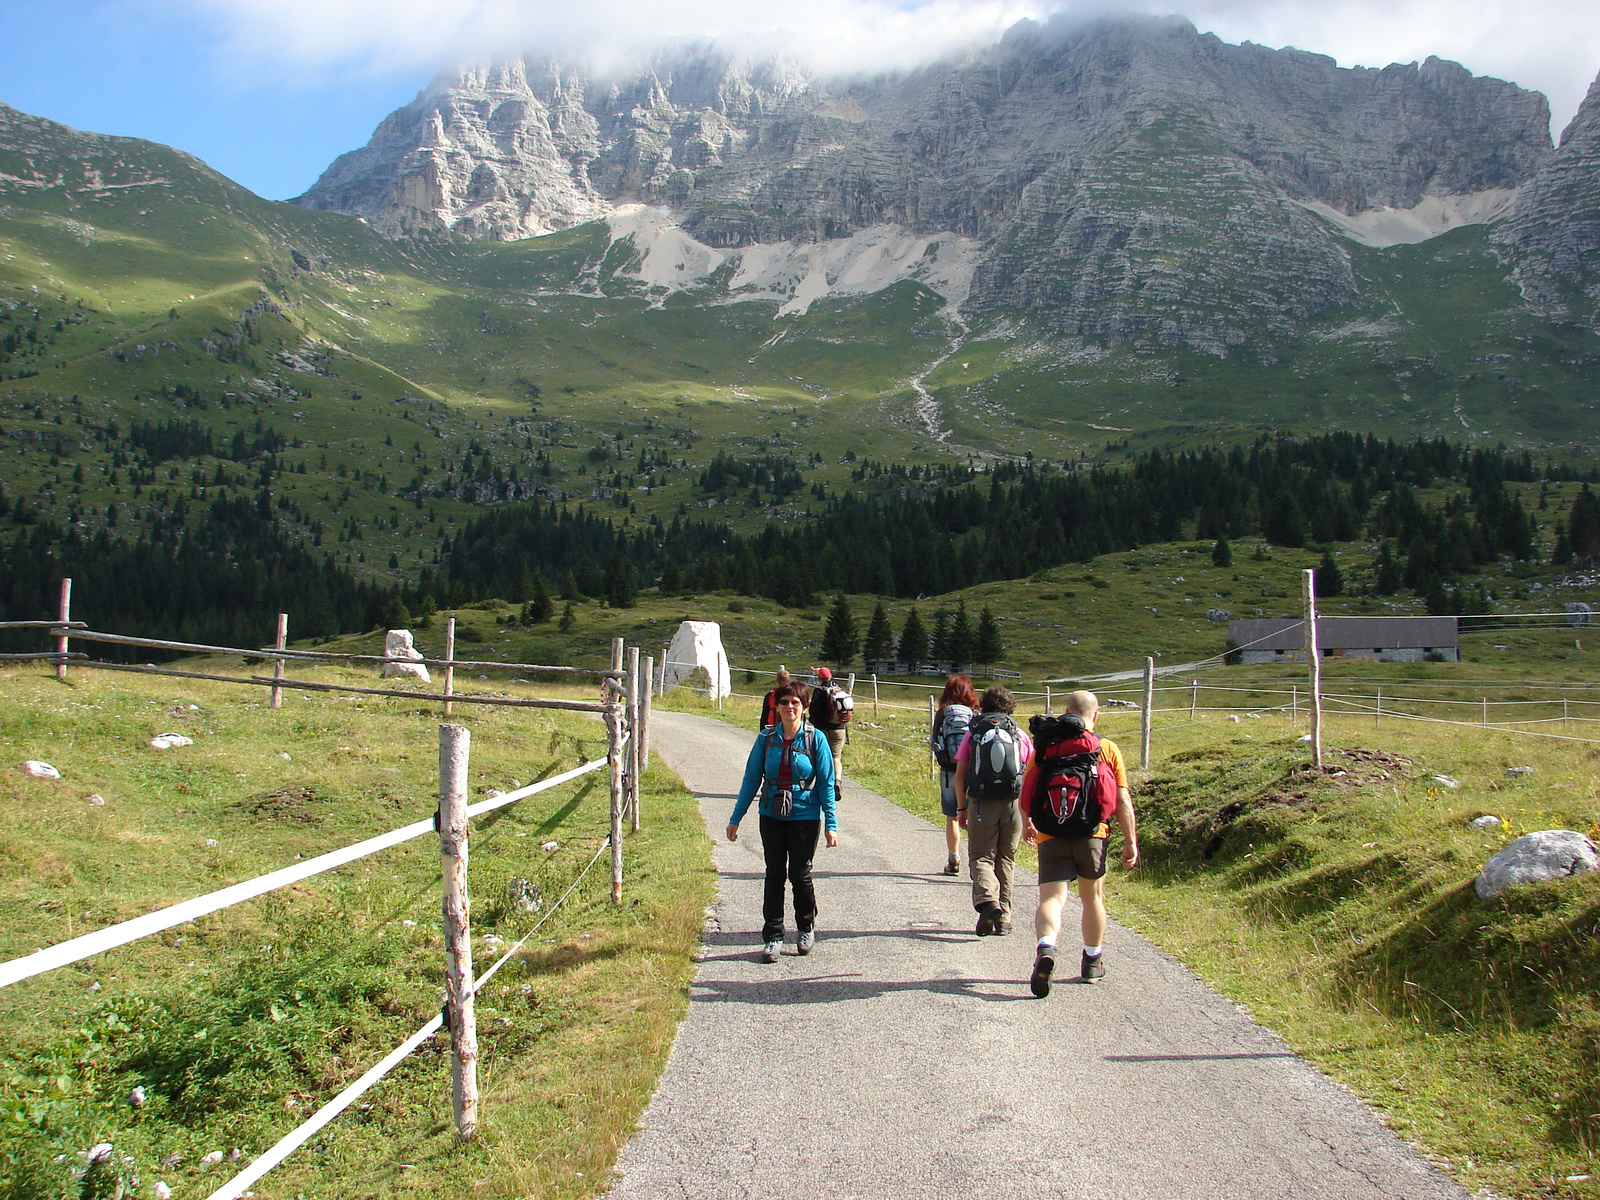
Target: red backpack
x=1075, y=789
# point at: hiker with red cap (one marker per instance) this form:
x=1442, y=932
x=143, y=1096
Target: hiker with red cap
x=830, y=711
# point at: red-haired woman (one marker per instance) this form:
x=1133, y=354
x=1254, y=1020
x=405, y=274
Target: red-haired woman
x=950, y=722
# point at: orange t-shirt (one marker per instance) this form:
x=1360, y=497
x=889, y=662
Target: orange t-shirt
x=1108, y=754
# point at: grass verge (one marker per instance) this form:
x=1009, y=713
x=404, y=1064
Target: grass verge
x=240, y=1025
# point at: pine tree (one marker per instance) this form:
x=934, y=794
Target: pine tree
x=878, y=643
x=939, y=640
x=1583, y=524
x=541, y=607
x=568, y=619
x=840, y=637
x=1329, y=579
x=1388, y=577
x=962, y=640
x=569, y=587
x=1222, y=553
x=989, y=648
x=621, y=583
x=913, y=646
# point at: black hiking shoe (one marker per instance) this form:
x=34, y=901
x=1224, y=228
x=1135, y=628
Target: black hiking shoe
x=1044, y=963
x=1003, y=927
x=989, y=918
x=952, y=867
x=1093, y=967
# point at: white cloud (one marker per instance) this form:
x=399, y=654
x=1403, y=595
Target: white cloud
x=1551, y=46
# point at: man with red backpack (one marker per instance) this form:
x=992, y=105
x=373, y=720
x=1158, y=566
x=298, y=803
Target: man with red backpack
x=1075, y=785
x=830, y=711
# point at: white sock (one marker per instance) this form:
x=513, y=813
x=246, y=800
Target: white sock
x=1093, y=951
x=1047, y=943
x=954, y=857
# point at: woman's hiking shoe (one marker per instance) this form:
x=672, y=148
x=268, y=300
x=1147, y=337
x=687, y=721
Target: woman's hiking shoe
x=989, y=920
x=1003, y=926
x=770, y=952
x=807, y=940
x=952, y=867
x=1044, y=963
x=1093, y=967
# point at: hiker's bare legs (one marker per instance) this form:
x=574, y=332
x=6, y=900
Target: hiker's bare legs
x=1047, y=920
x=952, y=836
x=1093, y=894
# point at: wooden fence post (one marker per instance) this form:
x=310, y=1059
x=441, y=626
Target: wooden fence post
x=455, y=744
x=1048, y=700
x=635, y=763
x=663, y=690
x=1194, y=699
x=1377, y=713
x=63, y=614
x=1294, y=701
x=449, y=662
x=933, y=763
x=874, y=693
x=1149, y=717
x=279, y=642
x=1308, y=588
x=645, y=705
x=613, y=716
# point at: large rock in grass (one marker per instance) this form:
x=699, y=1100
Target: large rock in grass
x=1535, y=857
x=404, y=658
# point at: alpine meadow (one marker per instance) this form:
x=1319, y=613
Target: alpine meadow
x=1057, y=361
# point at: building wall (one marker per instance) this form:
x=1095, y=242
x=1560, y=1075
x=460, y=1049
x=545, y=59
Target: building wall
x=1405, y=654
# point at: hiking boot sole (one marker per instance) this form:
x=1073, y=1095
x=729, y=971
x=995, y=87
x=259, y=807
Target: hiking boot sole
x=1039, y=982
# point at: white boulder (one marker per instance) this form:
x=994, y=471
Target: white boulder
x=1535, y=857
x=405, y=659
x=40, y=770
x=166, y=741
x=697, y=646
x=1487, y=821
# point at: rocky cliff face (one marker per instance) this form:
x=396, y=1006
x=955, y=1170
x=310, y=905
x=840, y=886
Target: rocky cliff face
x=1553, y=235
x=1131, y=180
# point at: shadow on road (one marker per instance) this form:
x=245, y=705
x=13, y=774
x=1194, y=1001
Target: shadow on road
x=831, y=989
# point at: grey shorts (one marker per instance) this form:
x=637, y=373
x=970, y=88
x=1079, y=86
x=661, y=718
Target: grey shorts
x=947, y=793
x=1062, y=860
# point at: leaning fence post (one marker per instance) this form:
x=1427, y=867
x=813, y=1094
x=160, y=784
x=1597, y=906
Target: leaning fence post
x=663, y=690
x=635, y=763
x=279, y=642
x=613, y=692
x=1194, y=698
x=63, y=614
x=1048, y=710
x=645, y=706
x=933, y=763
x=449, y=662
x=1149, y=702
x=1308, y=588
x=455, y=744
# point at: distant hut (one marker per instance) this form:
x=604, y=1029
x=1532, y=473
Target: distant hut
x=1382, y=639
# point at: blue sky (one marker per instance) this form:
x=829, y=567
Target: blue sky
x=270, y=91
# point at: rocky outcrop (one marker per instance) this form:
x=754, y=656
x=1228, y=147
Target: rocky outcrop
x=1552, y=237
x=1133, y=180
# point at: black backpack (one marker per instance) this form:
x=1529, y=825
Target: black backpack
x=994, y=768
x=1075, y=790
x=954, y=722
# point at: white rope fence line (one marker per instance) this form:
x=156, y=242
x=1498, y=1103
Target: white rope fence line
x=1499, y=727
x=112, y=936
x=298, y=1137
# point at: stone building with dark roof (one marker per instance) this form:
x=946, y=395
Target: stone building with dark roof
x=1383, y=639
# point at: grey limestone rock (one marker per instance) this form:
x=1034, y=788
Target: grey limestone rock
x=1131, y=180
x=1536, y=857
x=1552, y=236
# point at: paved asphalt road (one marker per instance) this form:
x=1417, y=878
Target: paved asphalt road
x=906, y=1058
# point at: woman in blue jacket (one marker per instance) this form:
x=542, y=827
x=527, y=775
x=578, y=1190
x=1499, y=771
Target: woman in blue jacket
x=793, y=768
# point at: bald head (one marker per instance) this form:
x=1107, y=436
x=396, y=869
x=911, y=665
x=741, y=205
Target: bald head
x=1083, y=704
